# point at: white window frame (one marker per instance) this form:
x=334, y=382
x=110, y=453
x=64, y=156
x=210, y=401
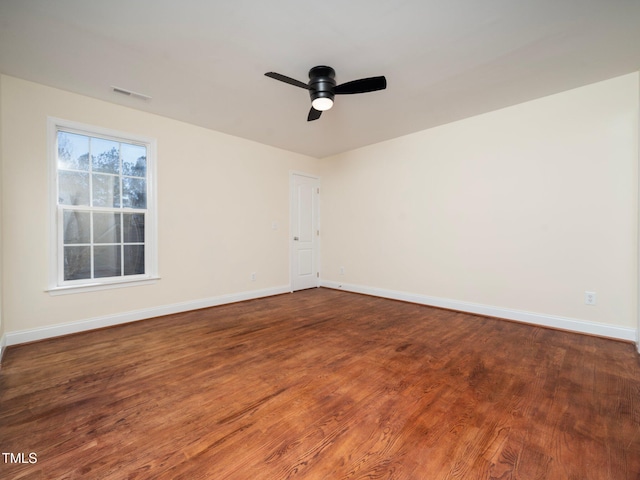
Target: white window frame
x=57, y=285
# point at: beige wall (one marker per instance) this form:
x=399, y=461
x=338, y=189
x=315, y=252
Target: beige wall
x=2, y=337
x=217, y=198
x=523, y=208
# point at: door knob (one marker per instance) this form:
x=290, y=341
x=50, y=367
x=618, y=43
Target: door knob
x=296, y=238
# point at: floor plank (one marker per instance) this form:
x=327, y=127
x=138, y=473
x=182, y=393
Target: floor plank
x=322, y=384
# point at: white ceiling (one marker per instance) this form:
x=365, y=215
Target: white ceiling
x=203, y=61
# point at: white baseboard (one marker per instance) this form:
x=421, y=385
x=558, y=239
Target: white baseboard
x=562, y=323
x=3, y=346
x=34, y=334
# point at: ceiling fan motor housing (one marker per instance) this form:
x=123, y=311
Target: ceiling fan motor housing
x=321, y=82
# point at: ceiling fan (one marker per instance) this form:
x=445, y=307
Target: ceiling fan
x=322, y=87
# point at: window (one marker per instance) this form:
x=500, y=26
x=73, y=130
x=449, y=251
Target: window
x=104, y=219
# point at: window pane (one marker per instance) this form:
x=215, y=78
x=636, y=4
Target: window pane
x=134, y=160
x=134, y=193
x=133, y=228
x=73, y=188
x=106, y=227
x=77, y=227
x=134, y=259
x=106, y=261
x=106, y=190
x=73, y=151
x=77, y=263
x=101, y=191
x=105, y=155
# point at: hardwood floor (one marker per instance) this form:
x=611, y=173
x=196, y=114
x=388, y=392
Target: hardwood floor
x=322, y=384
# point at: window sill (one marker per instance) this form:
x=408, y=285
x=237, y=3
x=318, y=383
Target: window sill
x=93, y=287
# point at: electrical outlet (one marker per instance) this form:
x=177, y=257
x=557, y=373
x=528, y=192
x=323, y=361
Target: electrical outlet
x=253, y=276
x=341, y=270
x=590, y=298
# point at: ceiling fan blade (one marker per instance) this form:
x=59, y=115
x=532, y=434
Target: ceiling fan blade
x=289, y=80
x=313, y=114
x=363, y=85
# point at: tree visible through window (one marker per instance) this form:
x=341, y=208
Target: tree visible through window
x=102, y=193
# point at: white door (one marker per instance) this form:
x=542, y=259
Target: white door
x=305, y=192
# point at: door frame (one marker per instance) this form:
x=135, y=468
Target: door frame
x=292, y=175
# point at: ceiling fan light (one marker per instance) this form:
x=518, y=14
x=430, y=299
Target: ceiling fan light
x=322, y=103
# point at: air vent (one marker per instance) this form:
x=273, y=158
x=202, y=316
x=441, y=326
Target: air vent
x=129, y=93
